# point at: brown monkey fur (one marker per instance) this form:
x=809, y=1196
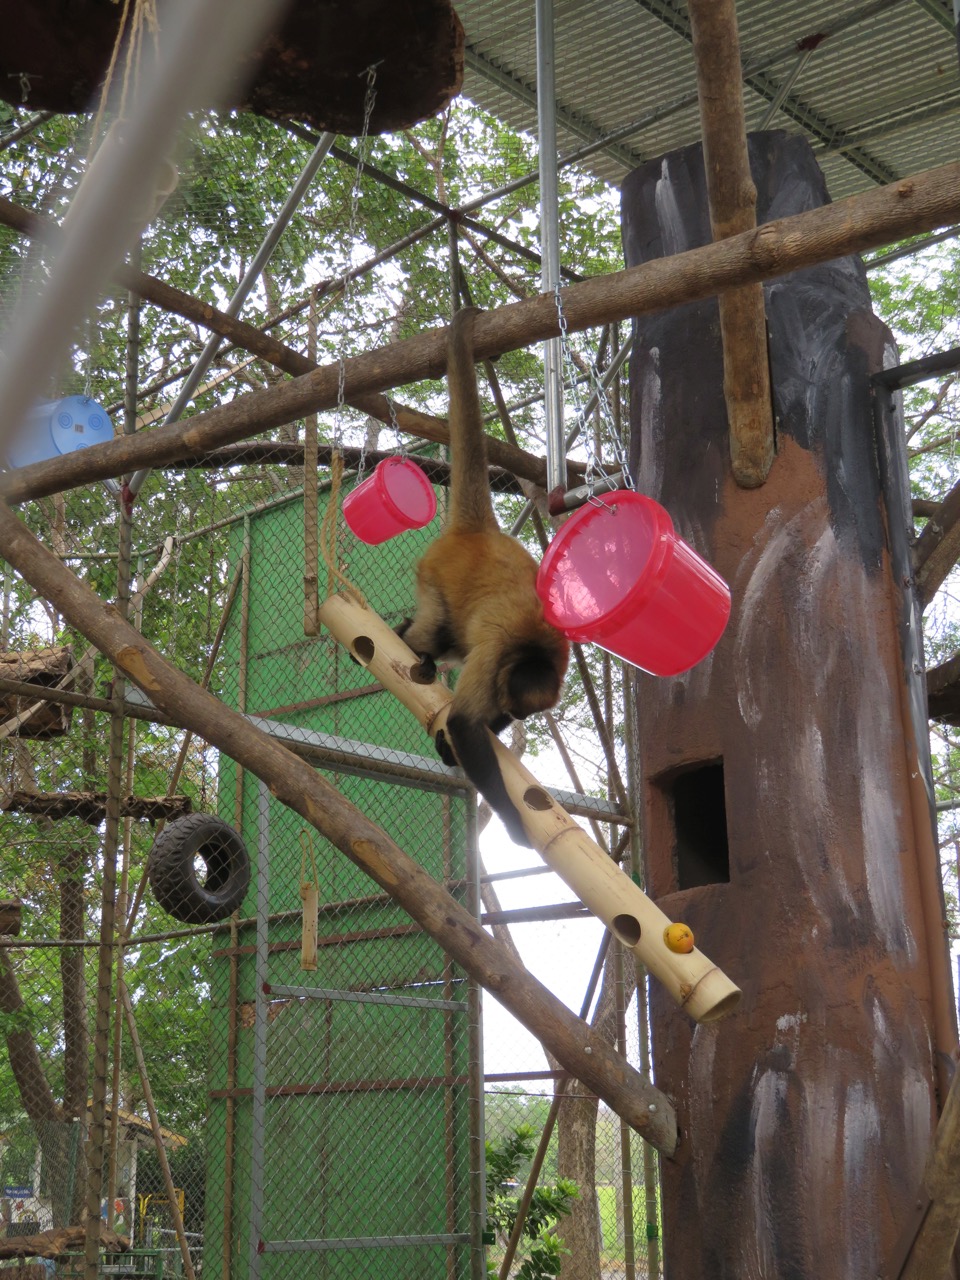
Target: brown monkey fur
x=477, y=604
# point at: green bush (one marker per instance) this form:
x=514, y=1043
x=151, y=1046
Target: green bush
x=505, y=1159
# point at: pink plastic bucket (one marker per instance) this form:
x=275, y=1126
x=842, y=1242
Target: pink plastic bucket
x=397, y=497
x=617, y=575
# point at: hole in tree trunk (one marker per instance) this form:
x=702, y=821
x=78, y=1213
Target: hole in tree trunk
x=700, y=825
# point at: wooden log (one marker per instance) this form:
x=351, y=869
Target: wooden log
x=43, y=668
x=58, y=1243
x=732, y=199
x=938, y=547
x=696, y=984
x=91, y=806
x=309, y=67
x=865, y=221
x=291, y=780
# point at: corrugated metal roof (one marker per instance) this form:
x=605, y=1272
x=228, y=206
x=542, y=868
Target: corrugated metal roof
x=877, y=88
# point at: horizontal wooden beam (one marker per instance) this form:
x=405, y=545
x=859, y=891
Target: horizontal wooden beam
x=259, y=343
x=586, y=1055
x=873, y=218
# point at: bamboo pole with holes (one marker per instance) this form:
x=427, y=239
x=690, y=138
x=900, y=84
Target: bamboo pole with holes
x=697, y=985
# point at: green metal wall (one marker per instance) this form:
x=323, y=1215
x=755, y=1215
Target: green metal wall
x=367, y=1118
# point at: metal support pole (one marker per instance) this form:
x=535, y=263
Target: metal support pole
x=550, y=240
x=258, y=1117
x=232, y=309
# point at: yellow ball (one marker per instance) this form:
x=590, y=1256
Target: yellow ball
x=679, y=938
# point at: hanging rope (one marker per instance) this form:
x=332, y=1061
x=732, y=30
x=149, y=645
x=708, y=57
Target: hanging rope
x=310, y=897
x=144, y=18
x=328, y=534
x=311, y=479
x=329, y=525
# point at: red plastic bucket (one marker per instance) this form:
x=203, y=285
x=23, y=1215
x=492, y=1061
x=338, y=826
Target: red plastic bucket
x=397, y=497
x=617, y=575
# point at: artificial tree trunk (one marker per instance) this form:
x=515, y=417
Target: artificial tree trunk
x=787, y=793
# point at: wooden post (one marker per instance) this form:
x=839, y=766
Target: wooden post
x=579, y=1050
x=696, y=984
x=861, y=222
x=733, y=208
x=934, y=1245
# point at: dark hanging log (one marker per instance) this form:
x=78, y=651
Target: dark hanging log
x=91, y=806
x=54, y=55
x=44, y=668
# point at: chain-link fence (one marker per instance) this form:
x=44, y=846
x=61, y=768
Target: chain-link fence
x=298, y=1088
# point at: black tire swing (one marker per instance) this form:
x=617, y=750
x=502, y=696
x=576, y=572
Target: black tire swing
x=199, y=869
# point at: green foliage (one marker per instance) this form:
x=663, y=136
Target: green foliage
x=506, y=1160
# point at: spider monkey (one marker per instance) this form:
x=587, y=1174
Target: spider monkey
x=477, y=603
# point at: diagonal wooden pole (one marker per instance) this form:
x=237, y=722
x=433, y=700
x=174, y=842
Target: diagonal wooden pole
x=578, y=1049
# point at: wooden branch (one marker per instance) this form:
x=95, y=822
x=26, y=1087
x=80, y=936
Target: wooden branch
x=937, y=549
x=247, y=336
x=929, y=1259
x=861, y=222
x=924, y=508
x=292, y=781
x=696, y=984
x=286, y=453
x=33, y=716
x=91, y=806
x=733, y=209
x=913, y=371
x=943, y=691
x=58, y=1243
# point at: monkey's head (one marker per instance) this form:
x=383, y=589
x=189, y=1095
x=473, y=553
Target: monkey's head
x=533, y=675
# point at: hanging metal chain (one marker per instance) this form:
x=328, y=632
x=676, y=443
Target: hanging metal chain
x=611, y=433
x=594, y=465
x=401, y=443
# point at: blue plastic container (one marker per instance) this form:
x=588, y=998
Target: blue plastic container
x=58, y=426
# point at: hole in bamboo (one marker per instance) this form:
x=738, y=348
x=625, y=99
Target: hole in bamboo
x=364, y=648
x=721, y=1008
x=627, y=929
x=537, y=798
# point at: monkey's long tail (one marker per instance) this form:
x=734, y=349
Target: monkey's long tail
x=471, y=510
